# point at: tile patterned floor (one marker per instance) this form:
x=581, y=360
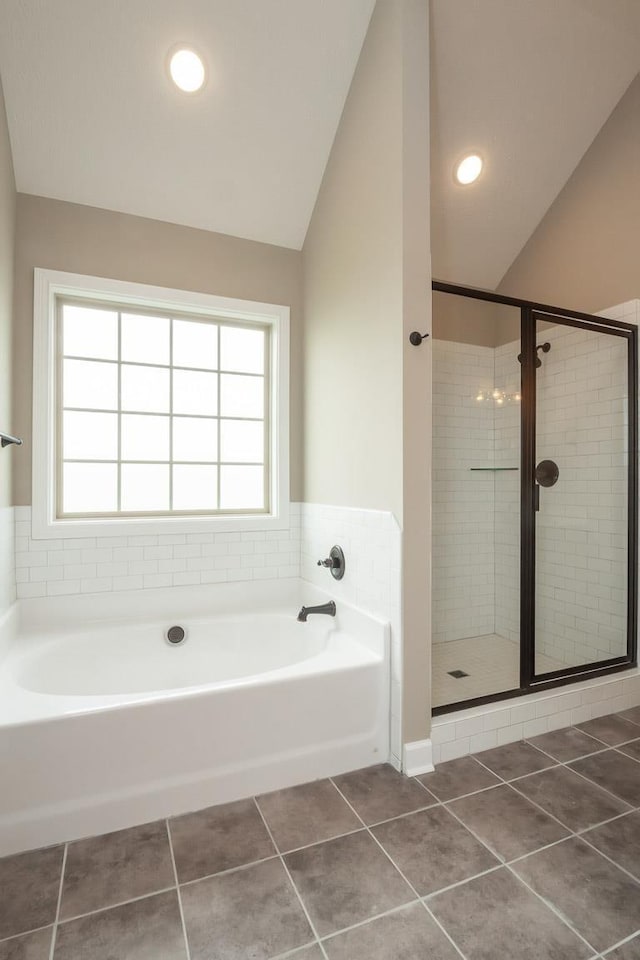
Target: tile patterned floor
x=492, y=663
x=530, y=851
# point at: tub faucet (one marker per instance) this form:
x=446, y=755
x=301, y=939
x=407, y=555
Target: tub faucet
x=328, y=608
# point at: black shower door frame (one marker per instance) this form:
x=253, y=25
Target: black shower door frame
x=530, y=313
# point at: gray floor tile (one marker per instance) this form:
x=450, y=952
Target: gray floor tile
x=407, y=934
x=433, y=850
x=345, y=881
x=307, y=953
x=218, y=838
x=602, y=902
x=143, y=930
x=628, y=951
x=307, y=814
x=612, y=771
x=496, y=918
x=30, y=884
x=30, y=946
x=102, y=871
x=620, y=840
x=567, y=744
x=458, y=777
x=514, y=760
x=633, y=715
x=631, y=749
x=611, y=730
x=380, y=792
x=506, y=822
x=249, y=913
x=573, y=800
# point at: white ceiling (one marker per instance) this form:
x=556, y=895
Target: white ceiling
x=528, y=84
x=94, y=119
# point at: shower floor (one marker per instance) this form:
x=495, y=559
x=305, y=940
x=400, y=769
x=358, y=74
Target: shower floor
x=492, y=663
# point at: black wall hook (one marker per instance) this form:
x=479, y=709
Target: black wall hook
x=416, y=338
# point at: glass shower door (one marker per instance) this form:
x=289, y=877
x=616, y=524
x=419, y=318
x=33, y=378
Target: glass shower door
x=581, y=502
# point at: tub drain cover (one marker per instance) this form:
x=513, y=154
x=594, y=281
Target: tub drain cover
x=175, y=634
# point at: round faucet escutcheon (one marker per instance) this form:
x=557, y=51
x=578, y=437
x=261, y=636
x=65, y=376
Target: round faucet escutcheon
x=335, y=562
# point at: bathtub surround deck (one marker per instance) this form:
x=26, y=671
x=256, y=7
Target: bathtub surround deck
x=481, y=859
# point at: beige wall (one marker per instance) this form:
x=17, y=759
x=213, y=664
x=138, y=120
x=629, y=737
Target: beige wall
x=584, y=254
x=352, y=260
x=463, y=320
x=367, y=279
x=7, y=224
x=80, y=239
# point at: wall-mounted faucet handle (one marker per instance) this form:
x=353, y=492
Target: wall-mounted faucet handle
x=334, y=562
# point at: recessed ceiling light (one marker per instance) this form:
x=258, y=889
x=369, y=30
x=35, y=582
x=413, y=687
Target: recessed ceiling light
x=469, y=169
x=187, y=69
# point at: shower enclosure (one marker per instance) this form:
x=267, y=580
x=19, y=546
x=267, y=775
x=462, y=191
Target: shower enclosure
x=534, y=496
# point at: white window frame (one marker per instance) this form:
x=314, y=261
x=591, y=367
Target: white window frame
x=51, y=284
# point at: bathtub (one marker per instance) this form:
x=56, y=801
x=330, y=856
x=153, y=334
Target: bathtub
x=104, y=724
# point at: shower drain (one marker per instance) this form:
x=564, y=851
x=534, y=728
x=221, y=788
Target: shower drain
x=458, y=674
x=175, y=635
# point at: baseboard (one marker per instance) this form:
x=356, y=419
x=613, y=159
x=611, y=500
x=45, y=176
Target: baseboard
x=417, y=758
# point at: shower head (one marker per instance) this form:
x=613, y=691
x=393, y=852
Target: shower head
x=545, y=347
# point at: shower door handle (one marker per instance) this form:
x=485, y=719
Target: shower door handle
x=546, y=475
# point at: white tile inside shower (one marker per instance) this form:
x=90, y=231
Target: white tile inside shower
x=463, y=494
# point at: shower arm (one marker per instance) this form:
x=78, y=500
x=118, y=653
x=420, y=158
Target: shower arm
x=6, y=439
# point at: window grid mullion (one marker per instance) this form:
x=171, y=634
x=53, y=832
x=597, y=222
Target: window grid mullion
x=119, y=466
x=219, y=451
x=171, y=323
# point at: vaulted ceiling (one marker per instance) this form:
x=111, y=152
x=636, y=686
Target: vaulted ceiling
x=94, y=119
x=527, y=84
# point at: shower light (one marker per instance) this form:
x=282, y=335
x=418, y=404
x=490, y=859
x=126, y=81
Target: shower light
x=469, y=169
x=187, y=69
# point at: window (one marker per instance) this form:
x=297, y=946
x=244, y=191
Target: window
x=156, y=407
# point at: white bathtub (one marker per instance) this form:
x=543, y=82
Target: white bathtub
x=103, y=724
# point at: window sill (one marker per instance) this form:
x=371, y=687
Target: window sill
x=43, y=529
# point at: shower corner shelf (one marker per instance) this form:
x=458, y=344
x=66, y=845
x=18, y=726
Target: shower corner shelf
x=491, y=469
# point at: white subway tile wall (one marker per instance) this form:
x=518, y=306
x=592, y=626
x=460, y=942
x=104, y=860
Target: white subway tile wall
x=463, y=499
x=507, y=494
x=371, y=541
x=7, y=559
x=99, y=564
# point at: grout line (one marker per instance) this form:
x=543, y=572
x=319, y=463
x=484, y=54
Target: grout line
x=59, y=903
x=368, y=920
x=409, y=884
x=175, y=877
x=224, y=873
x=551, y=906
x=401, y=816
x=24, y=933
x=607, y=857
x=291, y=880
x=114, y=906
x=620, y=943
x=507, y=864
